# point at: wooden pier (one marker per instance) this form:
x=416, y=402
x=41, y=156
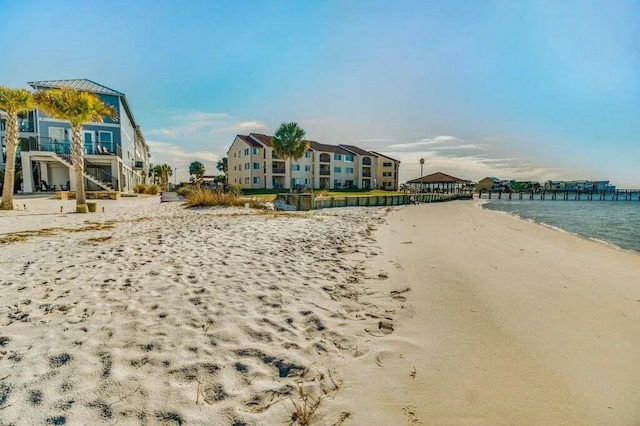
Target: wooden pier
x=563, y=195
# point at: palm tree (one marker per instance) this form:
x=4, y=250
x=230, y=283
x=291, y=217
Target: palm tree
x=13, y=102
x=223, y=167
x=165, y=172
x=288, y=143
x=196, y=169
x=78, y=108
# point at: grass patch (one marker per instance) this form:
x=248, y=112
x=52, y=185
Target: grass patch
x=146, y=189
x=15, y=237
x=97, y=240
x=209, y=198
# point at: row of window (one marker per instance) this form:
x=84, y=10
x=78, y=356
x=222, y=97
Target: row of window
x=296, y=167
x=338, y=157
x=246, y=152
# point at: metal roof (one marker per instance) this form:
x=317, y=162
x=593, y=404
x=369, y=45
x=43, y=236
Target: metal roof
x=77, y=84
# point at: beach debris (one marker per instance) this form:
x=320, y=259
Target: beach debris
x=383, y=275
x=407, y=242
x=378, y=362
x=396, y=292
x=413, y=373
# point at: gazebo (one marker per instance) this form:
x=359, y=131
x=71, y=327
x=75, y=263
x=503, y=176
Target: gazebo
x=440, y=182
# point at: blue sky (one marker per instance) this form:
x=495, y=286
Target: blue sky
x=526, y=90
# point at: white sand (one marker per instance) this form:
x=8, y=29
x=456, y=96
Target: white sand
x=508, y=322
x=178, y=315
x=192, y=316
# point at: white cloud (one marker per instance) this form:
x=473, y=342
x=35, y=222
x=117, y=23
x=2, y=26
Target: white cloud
x=423, y=142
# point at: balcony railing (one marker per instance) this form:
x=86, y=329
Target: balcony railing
x=278, y=171
x=63, y=147
x=24, y=126
x=325, y=172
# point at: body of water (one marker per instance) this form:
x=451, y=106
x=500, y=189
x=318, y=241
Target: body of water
x=614, y=222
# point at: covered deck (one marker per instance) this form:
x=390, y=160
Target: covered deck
x=441, y=183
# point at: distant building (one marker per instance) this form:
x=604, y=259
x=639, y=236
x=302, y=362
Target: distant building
x=253, y=164
x=440, y=182
x=493, y=184
x=579, y=185
x=524, y=185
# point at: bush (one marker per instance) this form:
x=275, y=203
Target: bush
x=208, y=198
x=139, y=189
x=185, y=190
x=234, y=189
x=152, y=190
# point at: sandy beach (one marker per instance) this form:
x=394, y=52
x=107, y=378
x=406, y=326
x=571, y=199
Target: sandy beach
x=150, y=313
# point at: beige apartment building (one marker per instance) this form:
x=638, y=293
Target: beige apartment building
x=252, y=164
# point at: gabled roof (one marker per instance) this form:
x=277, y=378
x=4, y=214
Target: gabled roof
x=438, y=177
x=356, y=150
x=494, y=179
x=77, y=84
x=250, y=141
x=385, y=156
x=266, y=140
x=316, y=146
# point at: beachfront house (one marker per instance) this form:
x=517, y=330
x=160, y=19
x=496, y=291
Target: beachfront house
x=253, y=164
x=116, y=154
x=491, y=183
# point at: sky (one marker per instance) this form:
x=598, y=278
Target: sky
x=527, y=90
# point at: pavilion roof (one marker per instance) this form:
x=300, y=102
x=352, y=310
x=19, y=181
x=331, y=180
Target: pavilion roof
x=438, y=177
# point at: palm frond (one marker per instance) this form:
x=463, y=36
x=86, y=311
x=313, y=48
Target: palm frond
x=15, y=101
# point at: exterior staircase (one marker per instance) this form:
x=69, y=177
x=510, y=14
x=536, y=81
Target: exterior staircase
x=91, y=172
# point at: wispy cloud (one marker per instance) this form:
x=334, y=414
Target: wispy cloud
x=179, y=158
x=422, y=142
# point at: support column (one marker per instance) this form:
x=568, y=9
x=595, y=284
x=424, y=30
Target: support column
x=27, y=174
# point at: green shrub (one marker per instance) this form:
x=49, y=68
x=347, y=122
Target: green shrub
x=234, y=189
x=139, y=189
x=185, y=190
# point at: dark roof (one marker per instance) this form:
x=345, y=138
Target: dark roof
x=438, y=178
x=266, y=140
x=385, y=156
x=250, y=141
x=316, y=146
x=82, y=84
x=356, y=150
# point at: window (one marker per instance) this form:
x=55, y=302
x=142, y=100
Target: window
x=255, y=150
x=337, y=157
x=234, y=155
x=256, y=166
x=348, y=158
x=386, y=164
x=246, y=180
x=307, y=155
x=307, y=168
x=105, y=137
x=385, y=184
x=348, y=169
x=387, y=174
x=336, y=183
x=307, y=181
x=256, y=179
x=246, y=151
x=337, y=170
x=247, y=166
x=295, y=167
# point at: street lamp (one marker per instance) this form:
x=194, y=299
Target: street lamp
x=421, y=175
x=175, y=177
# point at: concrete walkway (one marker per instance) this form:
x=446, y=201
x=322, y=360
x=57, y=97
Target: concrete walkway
x=171, y=197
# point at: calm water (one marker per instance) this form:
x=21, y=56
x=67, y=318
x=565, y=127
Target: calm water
x=615, y=222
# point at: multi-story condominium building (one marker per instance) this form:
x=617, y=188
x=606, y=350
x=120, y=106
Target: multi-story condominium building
x=253, y=164
x=387, y=172
x=116, y=154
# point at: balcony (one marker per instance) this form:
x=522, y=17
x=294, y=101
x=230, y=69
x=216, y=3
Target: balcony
x=63, y=147
x=325, y=171
x=138, y=165
x=366, y=161
x=325, y=158
x=24, y=126
x=366, y=172
x=278, y=171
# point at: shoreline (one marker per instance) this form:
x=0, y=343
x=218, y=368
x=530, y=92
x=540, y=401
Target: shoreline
x=483, y=203
x=505, y=325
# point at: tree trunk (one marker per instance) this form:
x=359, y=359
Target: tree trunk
x=11, y=141
x=77, y=158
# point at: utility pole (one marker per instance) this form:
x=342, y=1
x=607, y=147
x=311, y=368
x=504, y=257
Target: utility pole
x=421, y=175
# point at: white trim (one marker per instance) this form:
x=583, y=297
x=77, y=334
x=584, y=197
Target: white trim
x=106, y=132
x=55, y=120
